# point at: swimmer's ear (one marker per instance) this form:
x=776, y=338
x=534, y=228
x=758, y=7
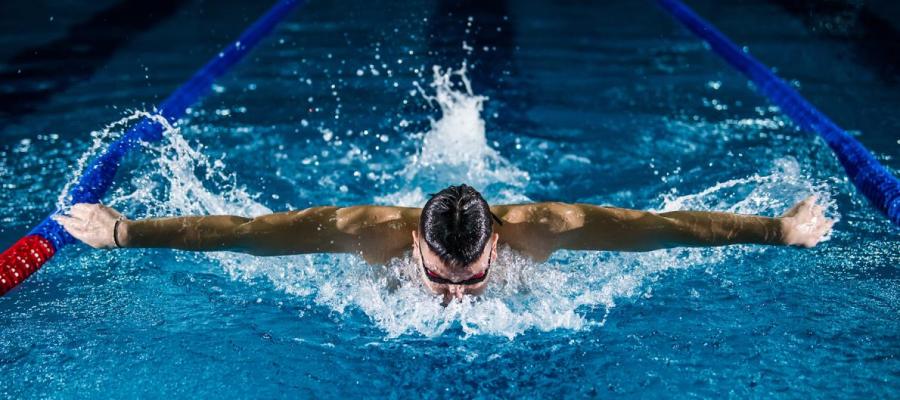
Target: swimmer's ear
x=493, y=244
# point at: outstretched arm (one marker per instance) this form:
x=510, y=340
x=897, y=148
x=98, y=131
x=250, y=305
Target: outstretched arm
x=375, y=232
x=540, y=229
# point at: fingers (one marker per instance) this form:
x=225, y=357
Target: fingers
x=74, y=226
x=83, y=210
x=825, y=228
x=820, y=232
x=808, y=206
x=98, y=211
x=83, y=214
x=66, y=220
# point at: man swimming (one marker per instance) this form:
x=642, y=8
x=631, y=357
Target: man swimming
x=458, y=227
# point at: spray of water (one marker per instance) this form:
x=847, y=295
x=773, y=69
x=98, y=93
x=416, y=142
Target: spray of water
x=455, y=148
x=100, y=139
x=191, y=182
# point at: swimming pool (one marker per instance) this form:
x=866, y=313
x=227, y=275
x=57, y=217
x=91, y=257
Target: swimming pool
x=604, y=103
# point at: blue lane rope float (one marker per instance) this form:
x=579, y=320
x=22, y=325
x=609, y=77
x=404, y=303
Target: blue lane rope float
x=871, y=178
x=28, y=254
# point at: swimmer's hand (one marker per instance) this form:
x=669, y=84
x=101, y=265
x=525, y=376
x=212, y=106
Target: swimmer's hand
x=805, y=223
x=92, y=224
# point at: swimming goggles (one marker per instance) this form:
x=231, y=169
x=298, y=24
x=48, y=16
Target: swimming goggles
x=443, y=281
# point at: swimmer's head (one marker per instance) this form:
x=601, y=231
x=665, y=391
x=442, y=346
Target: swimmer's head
x=455, y=242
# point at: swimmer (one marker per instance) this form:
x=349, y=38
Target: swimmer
x=453, y=238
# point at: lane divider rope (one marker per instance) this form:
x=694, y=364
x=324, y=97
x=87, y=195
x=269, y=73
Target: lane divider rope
x=31, y=252
x=871, y=178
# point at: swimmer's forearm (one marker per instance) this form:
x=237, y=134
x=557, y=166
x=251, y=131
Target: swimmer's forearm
x=195, y=233
x=610, y=228
x=710, y=228
x=313, y=230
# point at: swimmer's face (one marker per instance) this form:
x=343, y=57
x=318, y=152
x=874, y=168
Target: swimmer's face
x=435, y=273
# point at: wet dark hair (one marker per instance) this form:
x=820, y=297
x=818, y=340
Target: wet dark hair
x=456, y=224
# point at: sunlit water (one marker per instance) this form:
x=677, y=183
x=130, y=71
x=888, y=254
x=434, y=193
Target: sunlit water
x=739, y=320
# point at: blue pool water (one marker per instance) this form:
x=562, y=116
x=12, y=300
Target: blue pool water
x=354, y=103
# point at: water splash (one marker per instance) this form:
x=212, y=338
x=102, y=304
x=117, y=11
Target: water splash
x=455, y=149
x=756, y=194
x=101, y=139
x=178, y=179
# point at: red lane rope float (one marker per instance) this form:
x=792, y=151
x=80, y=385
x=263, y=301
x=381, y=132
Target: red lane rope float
x=23, y=259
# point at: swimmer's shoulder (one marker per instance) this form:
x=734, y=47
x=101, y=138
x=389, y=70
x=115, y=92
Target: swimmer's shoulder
x=378, y=217
x=381, y=233
x=531, y=229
